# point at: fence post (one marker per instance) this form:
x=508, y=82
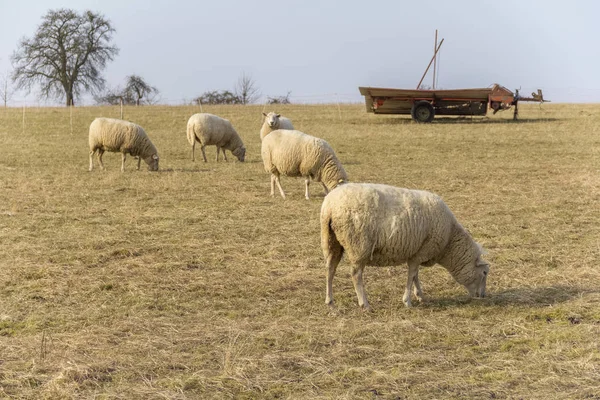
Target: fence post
x=337, y=99
x=121, y=100
x=23, y=118
x=71, y=116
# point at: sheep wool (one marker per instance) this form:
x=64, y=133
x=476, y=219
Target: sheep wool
x=381, y=225
x=208, y=130
x=293, y=153
x=274, y=121
x=115, y=135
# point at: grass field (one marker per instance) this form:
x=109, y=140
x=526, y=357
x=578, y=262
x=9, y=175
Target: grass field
x=193, y=283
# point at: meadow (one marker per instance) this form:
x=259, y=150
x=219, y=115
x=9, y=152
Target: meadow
x=193, y=283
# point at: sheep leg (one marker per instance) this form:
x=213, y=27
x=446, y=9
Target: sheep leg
x=413, y=269
x=306, y=183
x=123, y=155
x=92, y=160
x=359, y=288
x=224, y=154
x=279, y=186
x=325, y=187
x=417, y=290
x=272, y=185
x=203, y=153
x=139, y=163
x=334, y=255
x=193, y=150
x=100, y=154
x=218, y=150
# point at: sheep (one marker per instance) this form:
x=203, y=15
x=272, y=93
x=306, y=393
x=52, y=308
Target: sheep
x=381, y=225
x=208, y=129
x=115, y=135
x=294, y=153
x=273, y=122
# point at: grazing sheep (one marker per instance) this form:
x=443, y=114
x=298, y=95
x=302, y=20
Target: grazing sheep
x=115, y=135
x=382, y=225
x=294, y=153
x=208, y=129
x=273, y=122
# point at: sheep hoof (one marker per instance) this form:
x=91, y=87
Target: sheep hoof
x=366, y=308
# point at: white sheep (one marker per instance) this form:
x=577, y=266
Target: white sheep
x=115, y=135
x=273, y=122
x=381, y=225
x=208, y=129
x=294, y=153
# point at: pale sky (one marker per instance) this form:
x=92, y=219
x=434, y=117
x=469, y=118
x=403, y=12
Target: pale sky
x=322, y=50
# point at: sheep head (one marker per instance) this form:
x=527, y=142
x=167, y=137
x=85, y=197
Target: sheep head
x=240, y=153
x=478, y=278
x=272, y=119
x=152, y=162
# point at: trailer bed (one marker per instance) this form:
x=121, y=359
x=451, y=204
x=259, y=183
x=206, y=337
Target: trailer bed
x=438, y=101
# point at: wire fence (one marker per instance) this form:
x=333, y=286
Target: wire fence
x=555, y=94
x=324, y=98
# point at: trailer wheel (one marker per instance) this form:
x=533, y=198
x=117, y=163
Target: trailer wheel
x=422, y=111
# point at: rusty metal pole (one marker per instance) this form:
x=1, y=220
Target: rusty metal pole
x=430, y=62
x=434, y=60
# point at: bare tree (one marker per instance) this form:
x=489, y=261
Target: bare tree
x=137, y=92
x=66, y=55
x=246, y=90
x=280, y=99
x=114, y=96
x=218, y=97
x=138, y=89
x=6, y=89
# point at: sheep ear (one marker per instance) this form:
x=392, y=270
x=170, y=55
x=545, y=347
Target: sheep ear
x=278, y=115
x=482, y=251
x=265, y=114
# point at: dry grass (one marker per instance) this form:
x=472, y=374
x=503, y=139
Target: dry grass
x=194, y=283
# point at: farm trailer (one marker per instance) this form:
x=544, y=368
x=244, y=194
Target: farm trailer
x=424, y=105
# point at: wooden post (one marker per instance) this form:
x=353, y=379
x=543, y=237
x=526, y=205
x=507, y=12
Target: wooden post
x=516, y=113
x=23, y=119
x=121, y=100
x=337, y=98
x=71, y=116
x=434, y=60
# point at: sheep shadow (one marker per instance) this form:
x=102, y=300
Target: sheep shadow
x=186, y=170
x=537, y=297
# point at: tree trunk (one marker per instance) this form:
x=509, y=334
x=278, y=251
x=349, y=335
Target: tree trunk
x=70, y=101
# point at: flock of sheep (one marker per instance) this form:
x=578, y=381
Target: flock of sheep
x=374, y=224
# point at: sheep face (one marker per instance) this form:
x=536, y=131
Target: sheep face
x=272, y=119
x=477, y=282
x=152, y=162
x=240, y=153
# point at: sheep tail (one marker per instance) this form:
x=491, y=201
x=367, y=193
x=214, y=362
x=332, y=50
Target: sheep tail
x=191, y=135
x=329, y=242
